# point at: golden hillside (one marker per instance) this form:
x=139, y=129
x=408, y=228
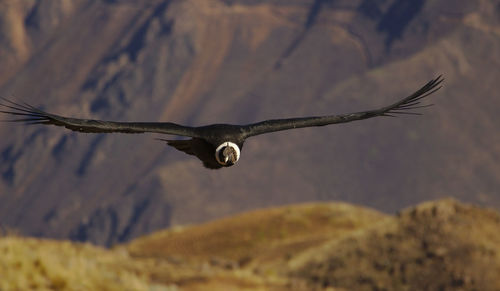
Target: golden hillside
x=441, y=245
x=38, y=264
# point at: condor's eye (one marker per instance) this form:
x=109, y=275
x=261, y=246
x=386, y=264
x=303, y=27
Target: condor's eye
x=221, y=156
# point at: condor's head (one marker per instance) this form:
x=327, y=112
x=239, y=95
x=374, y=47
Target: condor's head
x=227, y=154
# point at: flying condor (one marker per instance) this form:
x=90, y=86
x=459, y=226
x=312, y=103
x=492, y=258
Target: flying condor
x=216, y=145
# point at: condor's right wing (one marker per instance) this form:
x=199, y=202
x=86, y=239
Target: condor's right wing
x=28, y=114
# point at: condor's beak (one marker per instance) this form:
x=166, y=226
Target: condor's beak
x=226, y=159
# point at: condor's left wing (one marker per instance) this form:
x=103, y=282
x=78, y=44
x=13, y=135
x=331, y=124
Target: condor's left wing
x=403, y=106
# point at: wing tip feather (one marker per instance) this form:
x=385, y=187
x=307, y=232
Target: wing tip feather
x=413, y=101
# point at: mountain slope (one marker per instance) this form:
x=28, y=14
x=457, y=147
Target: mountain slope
x=442, y=245
x=34, y=264
x=435, y=245
x=199, y=62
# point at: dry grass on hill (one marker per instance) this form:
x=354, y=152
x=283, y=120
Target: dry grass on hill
x=35, y=264
x=443, y=245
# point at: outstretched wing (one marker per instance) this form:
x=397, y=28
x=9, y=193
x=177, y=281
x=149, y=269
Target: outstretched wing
x=404, y=106
x=31, y=115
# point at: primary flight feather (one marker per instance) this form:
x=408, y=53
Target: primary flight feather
x=216, y=145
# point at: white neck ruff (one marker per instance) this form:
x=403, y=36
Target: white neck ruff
x=227, y=144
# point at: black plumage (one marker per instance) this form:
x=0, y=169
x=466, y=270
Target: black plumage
x=216, y=145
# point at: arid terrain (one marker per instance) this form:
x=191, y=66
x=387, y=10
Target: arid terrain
x=198, y=62
x=439, y=245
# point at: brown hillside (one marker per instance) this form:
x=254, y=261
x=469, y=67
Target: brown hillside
x=35, y=264
x=442, y=245
x=265, y=236
x=198, y=62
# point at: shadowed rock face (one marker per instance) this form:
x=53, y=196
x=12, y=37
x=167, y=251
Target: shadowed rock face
x=239, y=62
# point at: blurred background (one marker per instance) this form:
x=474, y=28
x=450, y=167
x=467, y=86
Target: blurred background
x=239, y=61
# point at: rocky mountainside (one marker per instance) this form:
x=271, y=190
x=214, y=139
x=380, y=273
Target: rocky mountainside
x=441, y=245
x=197, y=62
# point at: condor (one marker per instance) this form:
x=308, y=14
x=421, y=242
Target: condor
x=216, y=145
